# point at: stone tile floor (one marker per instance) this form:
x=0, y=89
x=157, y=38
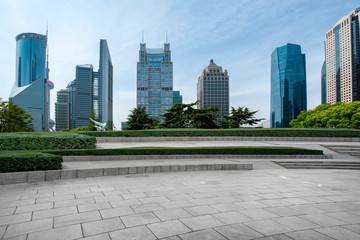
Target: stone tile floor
x=260, y=204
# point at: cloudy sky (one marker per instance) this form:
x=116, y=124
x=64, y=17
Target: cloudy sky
x=239, y=35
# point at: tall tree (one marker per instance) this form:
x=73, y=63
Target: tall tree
x=186, y=116
x=240, y=116
x=139, y=119
x=14, y=119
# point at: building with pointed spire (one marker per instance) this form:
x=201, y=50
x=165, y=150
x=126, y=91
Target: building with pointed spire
x=31, y=90
x=213, y=89
x=155, y=80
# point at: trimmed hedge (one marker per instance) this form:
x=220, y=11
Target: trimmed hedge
x=48, y=140
x=253, y=132
x=195, y=150
x=28, y=161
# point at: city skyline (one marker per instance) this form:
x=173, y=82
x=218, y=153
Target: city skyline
x=237, y=40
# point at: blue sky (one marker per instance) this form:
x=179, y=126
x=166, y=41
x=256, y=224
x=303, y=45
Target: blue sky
x=239, y=35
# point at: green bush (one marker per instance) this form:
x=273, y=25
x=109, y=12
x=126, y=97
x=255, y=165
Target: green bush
x=197, y=150
x=28, y=161
x=49, y=140
x=253, y=132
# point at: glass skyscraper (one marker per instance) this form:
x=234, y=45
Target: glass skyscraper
x=177, y=98
x=155, y=80
x=342, y=55
x=213, y=89
x=323, y=83
x=104, y=80
x=288, y=85
x=32, y=87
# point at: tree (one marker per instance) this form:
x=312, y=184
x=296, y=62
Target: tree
x=185, y=116
x=240, y=116
x=91, y=126
x=14, y=119
x=139, y=119
x=338, y=115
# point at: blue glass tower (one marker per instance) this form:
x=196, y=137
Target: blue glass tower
x=104, y=81
x=155, y=79
x=323, y=83
x=31, y=88
x=288, y=85
x=177, y=98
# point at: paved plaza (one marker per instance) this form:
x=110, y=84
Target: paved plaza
x=267, y=203
x=258, y=204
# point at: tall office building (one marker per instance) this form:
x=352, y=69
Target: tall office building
x=342, y=54
x=31, y=90
x=103, y=96
x=288, y=85
x=65, y=108
x=155, y=80
x=83, y=94
x=323, y=83
x=213, y=89
x=177, y=98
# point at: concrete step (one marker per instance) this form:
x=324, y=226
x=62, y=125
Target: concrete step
x=320, y=165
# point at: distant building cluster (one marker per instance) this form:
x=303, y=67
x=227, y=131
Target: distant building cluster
x=92, y=91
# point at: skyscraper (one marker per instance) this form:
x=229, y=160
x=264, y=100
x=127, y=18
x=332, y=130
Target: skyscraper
x=342, y=54
x=213, y=89
x=323, y=83
x=288, y=85
x=32, y=87
x=65, y=108
x=105, y=85
x=155, y=80
x=83, y=94
x=177, y=98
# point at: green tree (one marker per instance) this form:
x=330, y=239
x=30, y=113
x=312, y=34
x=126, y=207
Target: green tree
x=91, y=126
x=240, y=116
x=14, y=119
x=139, y=119
x=338, y=115
x=186, y=116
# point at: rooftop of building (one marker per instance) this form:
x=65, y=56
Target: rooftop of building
x=30, y=36
x=353, y=12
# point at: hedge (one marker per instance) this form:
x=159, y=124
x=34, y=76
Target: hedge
x=49, y=140
x=194, y=150
x=28, y=161
x=253, y=132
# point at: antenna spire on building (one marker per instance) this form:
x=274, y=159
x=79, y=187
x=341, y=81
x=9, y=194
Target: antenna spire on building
x=142, y=39
x=166, y=37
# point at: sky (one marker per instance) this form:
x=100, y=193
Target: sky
x=239, y=35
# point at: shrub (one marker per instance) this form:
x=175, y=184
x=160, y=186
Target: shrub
x=28, y=161
x=195, y=150
x=253, y=132
x=50, y=140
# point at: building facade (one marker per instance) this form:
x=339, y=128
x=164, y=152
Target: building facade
x=65, y=108
x=31, y=90
x=342, y=54
x=213, y=89
x=177, y=98
x=104, y=77
x=288, y=85
x=155, y=80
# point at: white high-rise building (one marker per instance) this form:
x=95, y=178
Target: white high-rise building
x=342, y=53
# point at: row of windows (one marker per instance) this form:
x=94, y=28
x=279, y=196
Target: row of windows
x=215, y=74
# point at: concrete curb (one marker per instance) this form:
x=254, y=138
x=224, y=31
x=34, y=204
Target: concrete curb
x=210, y=156
x=166, y=139
x=41, y=176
